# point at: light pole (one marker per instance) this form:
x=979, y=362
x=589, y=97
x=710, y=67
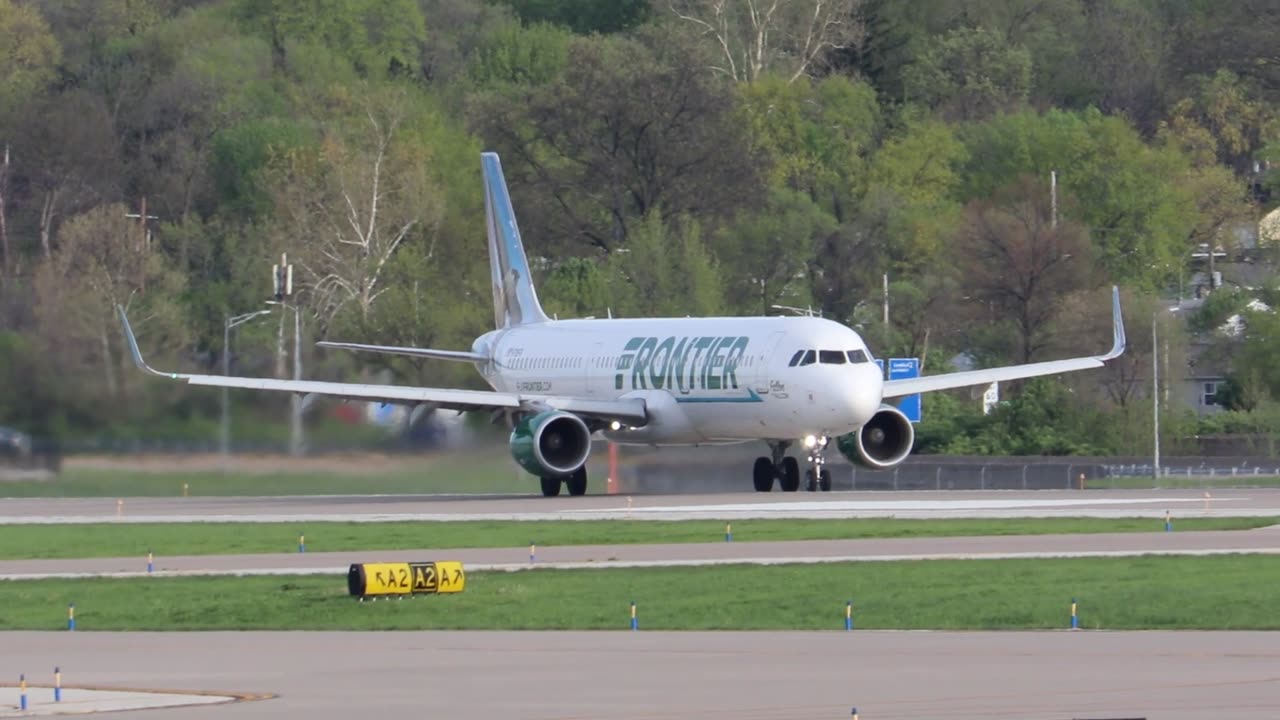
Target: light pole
x=295, y=401
x=229, y=323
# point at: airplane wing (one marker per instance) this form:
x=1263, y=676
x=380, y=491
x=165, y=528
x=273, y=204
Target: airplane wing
x=911, y=386
x=630, y=412
x=456, y=355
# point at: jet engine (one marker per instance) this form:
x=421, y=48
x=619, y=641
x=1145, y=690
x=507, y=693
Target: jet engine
x=884, y=441
x=551, y=443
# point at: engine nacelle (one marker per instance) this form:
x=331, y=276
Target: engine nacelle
x=551, y=443
x=884, y=441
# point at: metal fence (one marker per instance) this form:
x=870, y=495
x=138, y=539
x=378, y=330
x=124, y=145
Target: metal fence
x=723, y=471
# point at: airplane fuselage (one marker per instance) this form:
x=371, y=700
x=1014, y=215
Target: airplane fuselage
x=705, y=380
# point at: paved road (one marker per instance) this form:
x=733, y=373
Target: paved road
x=668, y=676
x=731, y=506
x=1262, y=540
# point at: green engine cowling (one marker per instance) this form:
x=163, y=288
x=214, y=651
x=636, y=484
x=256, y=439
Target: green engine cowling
x=884, y=441
x=551, y=443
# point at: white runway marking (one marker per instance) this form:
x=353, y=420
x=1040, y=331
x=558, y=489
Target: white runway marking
x=899, y=505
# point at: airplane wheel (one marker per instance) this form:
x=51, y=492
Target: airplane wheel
x=810, y=483
x=577, y=482
x=824, y=480
x=551, y=486
x=790, y=480
x=762, y=474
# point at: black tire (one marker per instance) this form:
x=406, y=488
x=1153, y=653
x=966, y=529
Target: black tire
x=824, y=481
x=577, y=482
x=810, y=482
x=790, y=480
x=762, y=474
x=551, y=486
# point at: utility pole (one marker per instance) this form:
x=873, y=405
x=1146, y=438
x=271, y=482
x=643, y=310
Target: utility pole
x=1155, y=401
x=886, y=301
x=144, y=240
x=282, y=278
x=1053, y=199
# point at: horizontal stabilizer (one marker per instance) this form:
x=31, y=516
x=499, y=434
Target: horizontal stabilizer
x=455, y=355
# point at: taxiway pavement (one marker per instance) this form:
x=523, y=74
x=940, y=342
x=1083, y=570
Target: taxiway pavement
x=669, y=676
x=1259, y=541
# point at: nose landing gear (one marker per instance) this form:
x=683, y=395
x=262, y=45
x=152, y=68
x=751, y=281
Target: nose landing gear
x=817, y=477
x=786, y=469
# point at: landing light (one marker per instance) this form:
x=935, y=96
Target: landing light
x=810, y=441
x=615, y=425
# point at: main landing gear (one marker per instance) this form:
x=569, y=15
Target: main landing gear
x=786, y=470
x=576, y=483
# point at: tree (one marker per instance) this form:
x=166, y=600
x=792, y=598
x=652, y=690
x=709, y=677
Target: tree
x=768, y=251
x=790, y=37
x=102, y=260
x=816, y=136
x=28, y=58
x=1015, y=257
x=379, y=38
x=1127, y=194
x=584, y=16
x=630, y=126
x=970, y=74
x=668, y=272
x=66, y=155
x=353, y=202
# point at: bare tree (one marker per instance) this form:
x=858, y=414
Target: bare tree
x=99, y=263
x=1018, y=261
x=792, y=37
x=350, y=207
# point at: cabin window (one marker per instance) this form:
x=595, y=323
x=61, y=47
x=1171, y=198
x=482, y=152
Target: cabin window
x=857, y=356
x=831, y=357
x=810, y=357
x=795, y=359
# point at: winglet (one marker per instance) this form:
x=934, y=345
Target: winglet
x=135, y=352
x=1117, y=327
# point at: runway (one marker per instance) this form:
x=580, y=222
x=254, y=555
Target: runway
x=729, y=506
x=665, y=676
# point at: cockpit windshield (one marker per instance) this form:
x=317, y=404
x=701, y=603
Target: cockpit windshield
x=828, y=357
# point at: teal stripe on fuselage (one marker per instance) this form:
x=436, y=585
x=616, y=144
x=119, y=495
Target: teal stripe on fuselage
x=750, y=397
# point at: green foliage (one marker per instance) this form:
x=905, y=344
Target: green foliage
x=1042, y=418
x=769, y=251
x=970, y=74
x=520, y=55
x=583, y=16
x=379, y=38
x=578, y=287
x=241, y=154
x=1217, y=307
x=1109, y=180
x=668, y=272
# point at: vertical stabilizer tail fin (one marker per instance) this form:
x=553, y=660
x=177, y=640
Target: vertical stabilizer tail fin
x=514, y=300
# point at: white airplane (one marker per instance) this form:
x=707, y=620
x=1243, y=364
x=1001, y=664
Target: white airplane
x=661, y=381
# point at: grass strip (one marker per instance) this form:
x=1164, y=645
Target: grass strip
x=19, y=542
x=1229, y=592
